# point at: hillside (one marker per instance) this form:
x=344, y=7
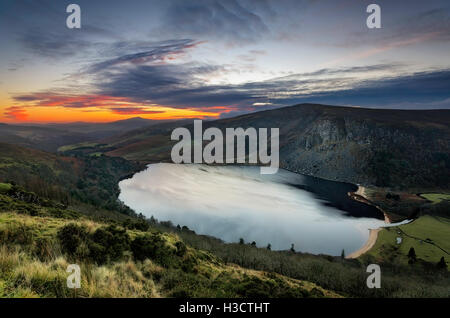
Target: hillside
x=145, y=258
x=69, y=180
x=57, y=210
x=39, y=137
x=403, y=149
x=103, y=130
x=49, y=137
x=36, y=250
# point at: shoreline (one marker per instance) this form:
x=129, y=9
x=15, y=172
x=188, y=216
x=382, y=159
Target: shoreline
x=359, y=195
x=373, y=236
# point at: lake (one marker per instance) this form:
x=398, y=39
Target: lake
x=233, y=202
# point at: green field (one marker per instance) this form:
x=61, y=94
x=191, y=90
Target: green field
x=79, y=145
x=95, y=154
x=436, y=197
x=428, y=235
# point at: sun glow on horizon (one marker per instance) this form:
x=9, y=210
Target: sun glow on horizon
x=95, y=109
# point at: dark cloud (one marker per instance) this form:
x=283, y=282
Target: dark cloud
x=53, y=45
x=171, y=85
x=423, y=90
x=177, y=86
x=347, y=70
x=117, y=69
x=145, y=78
x=229, y=19
x=155, y=52
x=54, y=98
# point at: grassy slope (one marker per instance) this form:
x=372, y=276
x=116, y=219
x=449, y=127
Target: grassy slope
x=418, y=234
x=31, y=265
x=436, y=197
x=79, y=145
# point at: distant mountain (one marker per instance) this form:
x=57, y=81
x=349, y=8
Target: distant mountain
x=39, y=137
x=103, y=130
x=50, y=137
x=146, y=144
x=387, y=148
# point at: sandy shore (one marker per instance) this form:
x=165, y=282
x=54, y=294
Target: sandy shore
x=373, y=235
x=361, y=191
x=359, y=195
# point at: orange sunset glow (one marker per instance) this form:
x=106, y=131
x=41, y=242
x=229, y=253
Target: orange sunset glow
x=95, y=108
x=159, y=67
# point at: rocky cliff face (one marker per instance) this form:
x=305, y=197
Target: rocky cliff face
x=389, y=148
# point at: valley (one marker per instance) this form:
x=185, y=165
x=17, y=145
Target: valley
x=63, y=180
x=398, y=149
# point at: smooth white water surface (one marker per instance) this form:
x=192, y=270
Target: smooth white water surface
x=237, y=202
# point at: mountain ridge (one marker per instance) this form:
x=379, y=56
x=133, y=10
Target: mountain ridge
x=49, y=137
x=386, y=148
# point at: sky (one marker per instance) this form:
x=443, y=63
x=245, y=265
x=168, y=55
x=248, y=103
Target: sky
x=176, y=59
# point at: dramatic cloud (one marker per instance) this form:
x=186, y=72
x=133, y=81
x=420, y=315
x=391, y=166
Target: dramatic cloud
x=59, y=99
x=181, y=86
x=16, y=113
x=207, y=19
x=156, y=52
x=423, y=90
x=164, y=85
x=224, y=57
x=174, y=85
x=54, y=45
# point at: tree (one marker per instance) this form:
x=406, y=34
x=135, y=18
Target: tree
x=71, y=236
x=269, y=246
x=253, y=244
x=292, y=248
x=412, y=255
x=241, y=241
x=143, y=247
x=343, y=254
x=153, y=220
x=442, y=264
x=108, y=244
